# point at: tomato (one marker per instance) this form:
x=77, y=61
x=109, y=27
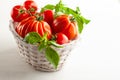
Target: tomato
x=31, y=6
x=48, y=16
x=66, y=25
x=31, y=24
x=61, y=38
x=19, y=13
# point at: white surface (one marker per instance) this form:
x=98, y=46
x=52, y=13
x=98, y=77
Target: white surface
x=96, y=58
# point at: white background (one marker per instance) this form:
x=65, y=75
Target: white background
x=97, y=57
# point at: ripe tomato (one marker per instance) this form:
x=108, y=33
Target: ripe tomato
x=19, y=13
x=66, y=25
x=48, y=16
x=61, y=38
x=31, y=6
x=31, y=24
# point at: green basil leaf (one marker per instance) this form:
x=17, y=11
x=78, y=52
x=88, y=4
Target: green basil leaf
x=80, y=25
x=52, y=56
x=32, y=38
x=55, y=44
x=59, y=6
x=86, y=21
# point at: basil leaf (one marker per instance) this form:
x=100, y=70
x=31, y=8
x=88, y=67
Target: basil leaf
x=80, y=25
x=52, y=56
x=59, y=6
x=86, y=21
x=32, y=38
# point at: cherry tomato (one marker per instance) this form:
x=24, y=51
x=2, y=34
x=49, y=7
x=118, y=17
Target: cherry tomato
x=31, y=24
x=19, y=13
x=31, y=6
x=48, y=16
x=66, y=25
x=61, y=38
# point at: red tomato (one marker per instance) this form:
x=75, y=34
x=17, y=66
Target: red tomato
x=66, y=25
x=31, y=6
x=61, y=38
x=31, y=24
x=19, y=13
x=48, y=16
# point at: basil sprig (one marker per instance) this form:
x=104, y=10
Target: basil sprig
x=44, y=44
x=60, y=7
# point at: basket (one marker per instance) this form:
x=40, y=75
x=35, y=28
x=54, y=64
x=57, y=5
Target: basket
x=37, y=59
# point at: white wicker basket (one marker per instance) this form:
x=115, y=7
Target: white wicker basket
x=37, y=59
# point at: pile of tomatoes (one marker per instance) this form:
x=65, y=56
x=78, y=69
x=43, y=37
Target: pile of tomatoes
x=62, y=27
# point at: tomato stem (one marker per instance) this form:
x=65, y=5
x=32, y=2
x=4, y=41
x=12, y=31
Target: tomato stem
x=72, y=19
x=32, y=10
x=29, y=12
x=21, y=11
x=39, y=18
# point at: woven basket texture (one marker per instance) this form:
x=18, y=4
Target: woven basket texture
x=36, y=58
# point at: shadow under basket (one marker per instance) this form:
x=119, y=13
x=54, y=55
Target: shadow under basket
x=37, y=59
